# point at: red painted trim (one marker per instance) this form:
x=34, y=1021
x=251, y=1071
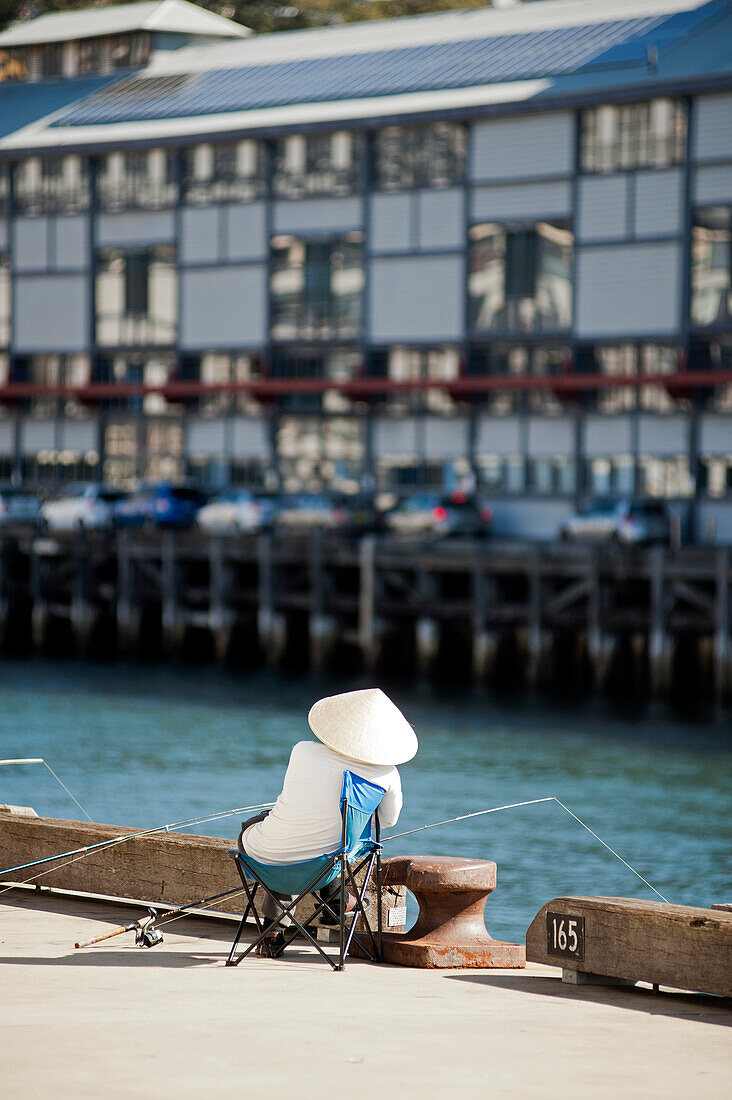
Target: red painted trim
x=464, y=386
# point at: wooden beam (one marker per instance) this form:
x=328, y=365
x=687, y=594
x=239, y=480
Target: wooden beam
x=637, y=941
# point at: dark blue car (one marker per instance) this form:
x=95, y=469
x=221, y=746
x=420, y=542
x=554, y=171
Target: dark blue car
x=162, y=505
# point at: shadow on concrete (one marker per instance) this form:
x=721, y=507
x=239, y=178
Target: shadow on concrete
x=697, y=1006
x=105, y=912
x=166, y=960
x=218, y=932
x=130, y=956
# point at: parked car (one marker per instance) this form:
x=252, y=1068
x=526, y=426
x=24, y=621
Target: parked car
x=86, y=507
x=19, y=506
x=304, y=511
x=358, y=513
x=236, y=511
x=628, y=520
x=162, y=505
x=438, y=515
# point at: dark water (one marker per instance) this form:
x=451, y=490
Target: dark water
x=143, y=747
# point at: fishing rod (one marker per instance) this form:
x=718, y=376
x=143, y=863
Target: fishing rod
x=146, y=935
x=531, y=802
x=40, y=760
x=80, y=853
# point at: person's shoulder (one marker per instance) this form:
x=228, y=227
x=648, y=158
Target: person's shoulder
x=393, y=777
x=307, y=749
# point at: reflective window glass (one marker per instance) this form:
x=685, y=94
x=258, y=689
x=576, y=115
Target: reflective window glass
x=316, y=287
x=520, y=278
x=651, y=134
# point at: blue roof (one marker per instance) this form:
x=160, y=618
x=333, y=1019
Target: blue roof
x=22, y=103
x=458, y=64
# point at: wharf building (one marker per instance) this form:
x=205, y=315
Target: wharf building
x=488, y=248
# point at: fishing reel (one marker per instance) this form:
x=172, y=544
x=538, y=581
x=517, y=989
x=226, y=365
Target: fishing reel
x=146, y=935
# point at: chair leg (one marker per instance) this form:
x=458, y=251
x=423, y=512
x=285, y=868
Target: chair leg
x=360, y=909
x=251, y=894
x=379, y=917
x=240, y=929
x=342, y=917
x=285, y=911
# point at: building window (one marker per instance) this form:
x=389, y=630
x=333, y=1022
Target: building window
x=221, y=369
x=136, y=296
x=409, y=364
x=665, y=477
x=139, y=370
x=611, y=476
x=397, y=474
x=52, y=59
x=420, y=156
x=501, y=473
x=651, y=134
x=519, y=361
x=230, y=171
x=520, y=277
x=332, y=364
x=316, y=287
x=554, y=475
x=137, y=181
x=163, y=450
x=716, y=473
x=621, y=361
x=316, y=452
x=54, y=185
x=711, y=266
x=120, y=453
x=130, y=51
x=317, y=164
x=68, y=371
x=5, y=309
x=4, y=188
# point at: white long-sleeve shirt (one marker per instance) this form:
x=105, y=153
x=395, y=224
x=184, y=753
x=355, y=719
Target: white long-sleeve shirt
x=305, y=821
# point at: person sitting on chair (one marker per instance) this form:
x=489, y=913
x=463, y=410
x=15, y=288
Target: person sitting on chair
x=358, y=731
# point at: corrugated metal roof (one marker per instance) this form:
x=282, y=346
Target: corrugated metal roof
x=22, y=104
x=530, y=16
x=388, y=72
x=167, y=16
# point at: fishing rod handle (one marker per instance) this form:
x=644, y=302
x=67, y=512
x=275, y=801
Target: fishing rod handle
x=107, y=935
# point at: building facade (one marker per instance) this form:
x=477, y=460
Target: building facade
x=494, y=251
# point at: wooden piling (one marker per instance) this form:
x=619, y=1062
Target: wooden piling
x=453, y=609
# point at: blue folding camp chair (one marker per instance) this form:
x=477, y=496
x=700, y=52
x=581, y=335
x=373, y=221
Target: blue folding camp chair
x=359, y=803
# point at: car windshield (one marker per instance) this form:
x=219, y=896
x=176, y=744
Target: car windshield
x=649, y=509
x=111, y=496
x=600, y=508
x=233, y=496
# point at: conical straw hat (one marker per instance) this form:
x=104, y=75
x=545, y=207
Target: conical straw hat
x=365, y=726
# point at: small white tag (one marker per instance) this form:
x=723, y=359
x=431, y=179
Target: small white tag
x=397, y=915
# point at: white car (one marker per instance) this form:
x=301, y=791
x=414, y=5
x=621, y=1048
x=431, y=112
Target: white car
x=235, y=512
x=87, y=508
x=641, y=522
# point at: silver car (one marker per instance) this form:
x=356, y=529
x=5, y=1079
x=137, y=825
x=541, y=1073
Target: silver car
x=628, y=520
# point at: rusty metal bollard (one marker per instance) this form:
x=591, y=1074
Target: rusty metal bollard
x=450, y=930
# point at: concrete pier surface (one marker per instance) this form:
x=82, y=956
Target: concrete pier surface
x=119, y=1021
